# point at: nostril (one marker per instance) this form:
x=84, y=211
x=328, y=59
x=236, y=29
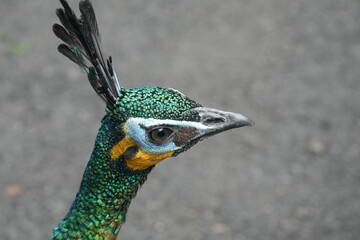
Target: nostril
x=213, y=121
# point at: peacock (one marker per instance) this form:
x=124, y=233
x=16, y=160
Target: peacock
x=141, y=127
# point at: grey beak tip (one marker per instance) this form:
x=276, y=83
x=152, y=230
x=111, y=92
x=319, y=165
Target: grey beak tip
x=217, y=121
x=251, y=123
x=241, y=120
x=245, y=123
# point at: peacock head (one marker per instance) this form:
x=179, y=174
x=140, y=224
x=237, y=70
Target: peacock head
x=162, y=122
x=156, y=122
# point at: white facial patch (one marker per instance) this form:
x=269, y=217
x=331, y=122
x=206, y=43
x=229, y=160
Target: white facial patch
x=134, y=128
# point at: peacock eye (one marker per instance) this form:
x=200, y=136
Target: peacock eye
x=160, y=135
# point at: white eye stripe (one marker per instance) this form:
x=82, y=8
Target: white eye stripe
x=150, y=122
x=134, y=128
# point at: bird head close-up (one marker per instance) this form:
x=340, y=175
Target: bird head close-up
x=167, y=93
x=154, y=123
x=150, y=123
x=142, y=127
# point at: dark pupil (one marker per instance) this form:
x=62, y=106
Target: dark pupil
x=160, y=135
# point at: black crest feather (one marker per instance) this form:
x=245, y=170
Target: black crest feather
x=82, y=46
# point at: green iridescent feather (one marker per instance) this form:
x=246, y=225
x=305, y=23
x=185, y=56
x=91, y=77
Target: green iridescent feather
x=154, y=102
x=108, y=186
x=109, y=183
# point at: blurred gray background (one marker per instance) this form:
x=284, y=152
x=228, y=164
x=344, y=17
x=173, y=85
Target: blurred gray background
x=292, y=66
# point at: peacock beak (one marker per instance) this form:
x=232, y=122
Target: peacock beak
x=217, y=121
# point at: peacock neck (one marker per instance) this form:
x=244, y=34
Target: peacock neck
x=106, y=191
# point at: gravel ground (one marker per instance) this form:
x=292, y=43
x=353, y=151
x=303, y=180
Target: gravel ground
x=292, y=66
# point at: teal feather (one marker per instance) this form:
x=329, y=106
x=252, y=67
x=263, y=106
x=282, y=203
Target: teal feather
x=110, y=182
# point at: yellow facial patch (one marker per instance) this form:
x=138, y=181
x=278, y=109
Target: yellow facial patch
x=118, y=150
x=142, y=159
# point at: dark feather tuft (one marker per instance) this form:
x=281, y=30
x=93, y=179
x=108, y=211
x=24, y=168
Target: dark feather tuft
x=82, y=46
x=88, y=12
x=73, y=54
x=61, y=33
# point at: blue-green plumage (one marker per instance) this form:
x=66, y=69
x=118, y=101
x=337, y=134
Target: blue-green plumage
x=105, y=191
x=154, y=102
x=142, y=127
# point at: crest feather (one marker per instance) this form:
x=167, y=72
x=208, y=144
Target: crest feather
x=81, y=45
